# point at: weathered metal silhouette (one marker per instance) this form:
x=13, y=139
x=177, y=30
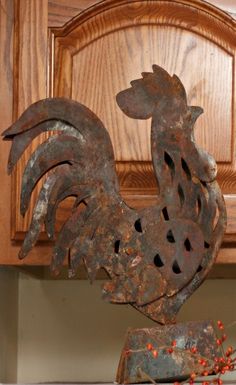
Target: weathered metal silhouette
x=156, y=257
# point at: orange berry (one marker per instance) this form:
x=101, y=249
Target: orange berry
x=218, y=341
x=176, y=383
x=174, y=343
x=193, y=349
x=202, y=362
x=170, y=350
x=155, y=353
x=205, y=373
x=224, y=337
x=149, y=346
x=192, y=376
x=220, y=382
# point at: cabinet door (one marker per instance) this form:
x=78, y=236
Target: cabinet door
x=90, y=54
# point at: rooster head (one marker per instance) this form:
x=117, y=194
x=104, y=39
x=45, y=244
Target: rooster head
x=156, y=91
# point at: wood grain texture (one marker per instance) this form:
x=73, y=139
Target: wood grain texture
x=119, y=56
x=30, y=74
x=9, y=250
x=101, y=50
x=195, y=41
x=226, y=5
x=62, y=11
x=96, y=54
x=6, y=95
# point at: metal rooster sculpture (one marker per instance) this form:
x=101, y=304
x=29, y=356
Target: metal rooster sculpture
x=155, y=257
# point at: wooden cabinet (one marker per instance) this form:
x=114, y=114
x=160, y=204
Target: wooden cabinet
x=90, y=50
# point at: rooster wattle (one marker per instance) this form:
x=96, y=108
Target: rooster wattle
x=156, y=257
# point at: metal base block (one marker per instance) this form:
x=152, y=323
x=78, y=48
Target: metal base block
x=168, y=353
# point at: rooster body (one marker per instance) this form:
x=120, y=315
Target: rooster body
x=155, y=257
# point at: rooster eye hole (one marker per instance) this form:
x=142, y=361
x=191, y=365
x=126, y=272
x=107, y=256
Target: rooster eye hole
x=158, y=261
x=170, y=237
x=117, y=246
x=206, y=245
x=138, y=226
x=175, y=267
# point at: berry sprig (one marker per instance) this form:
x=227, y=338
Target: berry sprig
x=222, y=364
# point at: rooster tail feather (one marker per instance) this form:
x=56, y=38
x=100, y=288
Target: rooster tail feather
x=57, y=114
x=68, y=235
x=81, y=195
x=79, y=158
x=21, y=141
x=54, y=151
x=39, y=214
x=64, y=241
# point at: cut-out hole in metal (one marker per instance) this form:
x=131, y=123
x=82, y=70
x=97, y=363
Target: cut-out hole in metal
x=181, y=195
x=199, y=268
x=138, y=226
x=170, y=163
x=165, y=214
x=199, y=206
x=117, y=246
x=175, y=267
x=187, y=245
x=186, y=169
x=158, y=261
x=170, y=237
x=206, y=245
x=217, y=214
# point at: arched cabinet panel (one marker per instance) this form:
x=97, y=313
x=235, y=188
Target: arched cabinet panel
x=95, y=53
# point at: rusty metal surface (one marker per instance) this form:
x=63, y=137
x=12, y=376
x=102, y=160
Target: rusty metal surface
x=195, y=341
x=156, y=257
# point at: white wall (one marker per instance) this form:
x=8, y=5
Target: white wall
x=67, y=333
x=8, y=324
